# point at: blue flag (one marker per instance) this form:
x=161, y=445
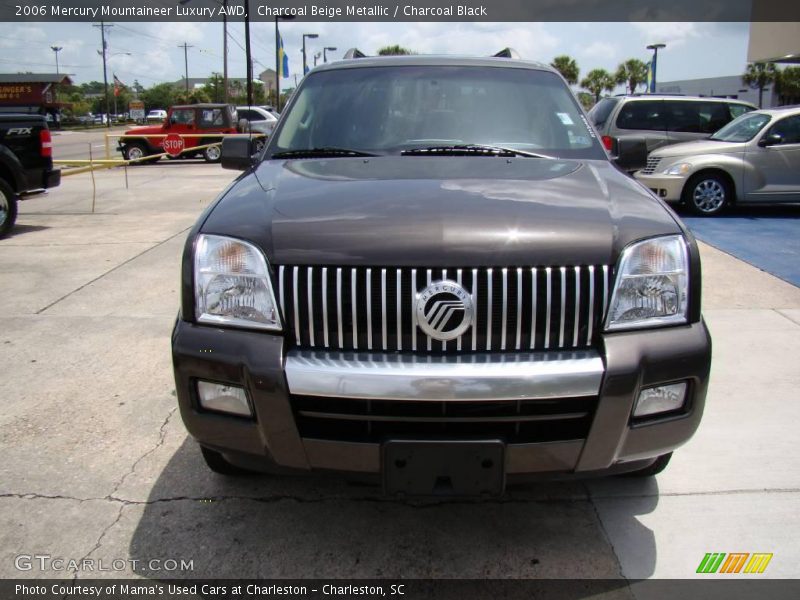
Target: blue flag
x=283, y=59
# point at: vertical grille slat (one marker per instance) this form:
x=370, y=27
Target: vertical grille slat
x=383, y=309
x=339, y=325
x=413, y=292
x=576, y=325
x=548, y=306
x=369, y=309
x=518, y=345
x=373, y=308
x=325, y=334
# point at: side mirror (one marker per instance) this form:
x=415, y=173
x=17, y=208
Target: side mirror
x=631, y=153
x=771, y=139
x=237, y=152
x=244, y=125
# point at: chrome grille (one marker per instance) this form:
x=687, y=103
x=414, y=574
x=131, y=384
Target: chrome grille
x=372, y=308
x=651, y=166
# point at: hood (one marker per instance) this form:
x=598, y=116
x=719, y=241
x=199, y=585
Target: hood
x=144, y=129
x=439, y=211
x=698, y=147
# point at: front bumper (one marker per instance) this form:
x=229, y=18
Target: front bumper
x=278, y=380
x=666, y=187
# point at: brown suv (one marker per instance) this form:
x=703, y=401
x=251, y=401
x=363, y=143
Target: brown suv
x=409, y=287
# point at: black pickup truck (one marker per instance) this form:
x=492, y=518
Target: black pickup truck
x=26, y=162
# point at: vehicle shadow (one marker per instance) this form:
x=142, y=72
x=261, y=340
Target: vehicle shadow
x=323, y=527
x=747, y=211
x=20, y=229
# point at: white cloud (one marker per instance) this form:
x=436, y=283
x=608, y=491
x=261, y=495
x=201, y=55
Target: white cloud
x=604, y=51
x=672, y=34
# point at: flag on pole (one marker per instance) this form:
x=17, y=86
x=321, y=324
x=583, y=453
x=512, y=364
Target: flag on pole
x=118, y=85
x=283, y=59
x=651, y=76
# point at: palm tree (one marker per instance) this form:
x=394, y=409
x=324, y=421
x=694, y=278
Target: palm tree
x=597, y=81
x=394, y=50
x=788, y=85
x=567, y=67
x=760, y=75
x=632, y=72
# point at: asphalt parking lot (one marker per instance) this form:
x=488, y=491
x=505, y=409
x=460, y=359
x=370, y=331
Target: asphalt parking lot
x=96, y=462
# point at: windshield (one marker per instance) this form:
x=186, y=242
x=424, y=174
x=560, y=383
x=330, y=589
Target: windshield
x=601, y=110
x=386, y=110
x=742, y=129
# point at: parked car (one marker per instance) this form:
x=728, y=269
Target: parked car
x=632, y=126
x=26, y=162
x=753, y=159
x=407, y=286
x=258, y=119
x=190, y=119
x=156, y=115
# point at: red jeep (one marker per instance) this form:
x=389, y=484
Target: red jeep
x=188, y=119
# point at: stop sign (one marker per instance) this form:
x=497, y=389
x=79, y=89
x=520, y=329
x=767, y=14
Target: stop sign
x=173, y=144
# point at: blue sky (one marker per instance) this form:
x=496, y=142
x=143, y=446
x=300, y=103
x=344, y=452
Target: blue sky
x=148, y=51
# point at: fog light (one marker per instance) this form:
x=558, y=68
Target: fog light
x=223, y=398
x=660, y=399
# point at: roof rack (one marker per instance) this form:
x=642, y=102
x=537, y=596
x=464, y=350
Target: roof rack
x=508, y=53
x=649, y=94
x=354, y=53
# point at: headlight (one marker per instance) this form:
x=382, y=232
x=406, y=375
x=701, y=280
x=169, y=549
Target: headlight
x=652, y=285
x=232, y=284
x=678, y=169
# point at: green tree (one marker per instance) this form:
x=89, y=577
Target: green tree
x=162, y=95
x=631, y=73
x=216, y=87
x=393, y=50
x=586, y=100
x=597, y=81
x=789, y=85
x=567, y=67
x=759, y=76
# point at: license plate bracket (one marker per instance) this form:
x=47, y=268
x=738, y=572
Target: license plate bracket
x=444, y=467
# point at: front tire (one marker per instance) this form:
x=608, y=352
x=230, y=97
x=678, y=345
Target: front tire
x=659, y=465
x=8, y=208
x=136, y=151
x=212, y=154
x=707, y=194
x=217, y=463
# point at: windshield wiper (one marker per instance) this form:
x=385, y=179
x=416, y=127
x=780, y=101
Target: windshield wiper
x=471, y=150
x=321, y=152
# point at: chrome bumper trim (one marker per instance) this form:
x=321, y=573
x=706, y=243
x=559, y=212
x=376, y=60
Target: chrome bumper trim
x=478, y=377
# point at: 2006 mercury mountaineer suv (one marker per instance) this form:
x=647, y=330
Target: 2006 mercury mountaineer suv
x=432, y=275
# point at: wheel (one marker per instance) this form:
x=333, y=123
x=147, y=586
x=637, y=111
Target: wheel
x=217, y=463
x=8, y=208
x=260, y=143
x=654, y=469
x=707, y=194
x=212, y=154
x=135, y=151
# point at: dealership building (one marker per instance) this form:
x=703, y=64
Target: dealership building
x=769, y=42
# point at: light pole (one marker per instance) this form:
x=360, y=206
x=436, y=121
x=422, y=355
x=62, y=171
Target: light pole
x=278, y=59
x=224, y=4
x=110, y=56
x=316, y=57
x=57, y=49
x=325, y=52
x=104, y=53
x=311, y=36
x=186, y=47
x=654, y=48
